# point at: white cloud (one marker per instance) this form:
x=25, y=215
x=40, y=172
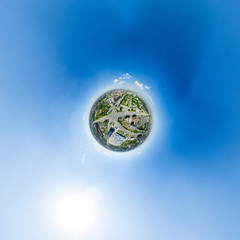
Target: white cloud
x=115, y=80
x=140, y=85
x=121, y=82
x=147, y=87
x=127, y=75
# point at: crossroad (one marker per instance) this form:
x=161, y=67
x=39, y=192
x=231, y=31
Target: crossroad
x=114, y=116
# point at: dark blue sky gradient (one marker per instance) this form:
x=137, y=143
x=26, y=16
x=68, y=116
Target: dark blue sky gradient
x=56, y=55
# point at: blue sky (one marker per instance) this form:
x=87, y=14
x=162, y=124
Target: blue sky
x=58, y=55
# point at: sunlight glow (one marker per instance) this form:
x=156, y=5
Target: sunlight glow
x=76, y=213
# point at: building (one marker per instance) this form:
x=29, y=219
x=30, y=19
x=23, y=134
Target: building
x=118, y=139
x=142, y=120
x=134, y=117
x=127, y=118
x=110, y=132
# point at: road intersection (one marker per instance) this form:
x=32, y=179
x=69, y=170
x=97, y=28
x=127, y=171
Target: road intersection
x=114, y=116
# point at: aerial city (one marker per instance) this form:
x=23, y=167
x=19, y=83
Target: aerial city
x=120, y=120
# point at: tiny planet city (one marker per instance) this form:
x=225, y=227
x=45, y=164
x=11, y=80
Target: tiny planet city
x=120, y=120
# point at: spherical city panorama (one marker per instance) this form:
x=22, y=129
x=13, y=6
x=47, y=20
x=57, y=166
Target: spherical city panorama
x=120, y=120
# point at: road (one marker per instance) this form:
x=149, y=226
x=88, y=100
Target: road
x=113, y=117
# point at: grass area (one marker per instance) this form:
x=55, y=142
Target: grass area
x=144, y=105
x=119, y=110
x=143, y=127
x=135, y=102
x=132, y=142
x=121, y=132
x=102, y=109
x=103, y=126
x=126, y=97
